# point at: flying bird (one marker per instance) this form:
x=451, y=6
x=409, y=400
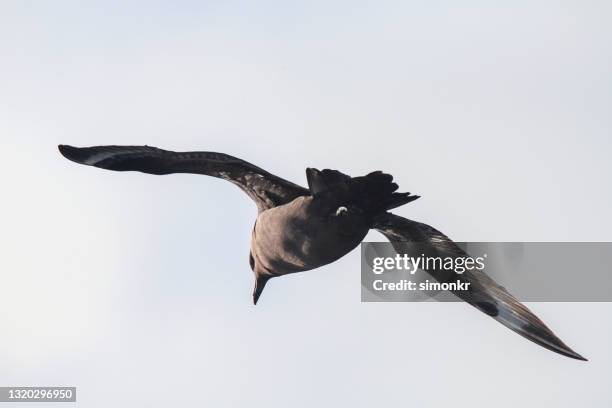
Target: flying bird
x=299, y=229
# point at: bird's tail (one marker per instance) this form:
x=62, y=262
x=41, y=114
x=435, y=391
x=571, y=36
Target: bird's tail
x=374, y=193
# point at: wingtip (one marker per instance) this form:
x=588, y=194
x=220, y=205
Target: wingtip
x=572, y=354
x=68, y=151
x=543, y=336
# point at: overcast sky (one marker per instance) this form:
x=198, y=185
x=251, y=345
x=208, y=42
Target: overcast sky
x=136, y=288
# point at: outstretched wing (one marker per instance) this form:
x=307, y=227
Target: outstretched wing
x=266, y=189
x=484, y=293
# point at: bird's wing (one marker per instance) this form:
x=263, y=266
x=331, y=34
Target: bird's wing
x=266, y=189
x=484, y=293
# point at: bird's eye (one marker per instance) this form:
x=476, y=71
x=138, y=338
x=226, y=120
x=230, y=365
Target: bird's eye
x=341, y=210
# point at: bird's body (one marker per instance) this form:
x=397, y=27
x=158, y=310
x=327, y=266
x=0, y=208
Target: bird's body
x=298, y=229
x=304, y=234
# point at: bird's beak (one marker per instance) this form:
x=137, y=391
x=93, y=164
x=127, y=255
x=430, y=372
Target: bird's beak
x=260, y=284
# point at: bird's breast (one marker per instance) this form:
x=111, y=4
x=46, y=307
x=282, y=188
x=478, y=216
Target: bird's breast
x=304, y=234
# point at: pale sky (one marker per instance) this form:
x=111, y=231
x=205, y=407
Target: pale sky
x=136, y=288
